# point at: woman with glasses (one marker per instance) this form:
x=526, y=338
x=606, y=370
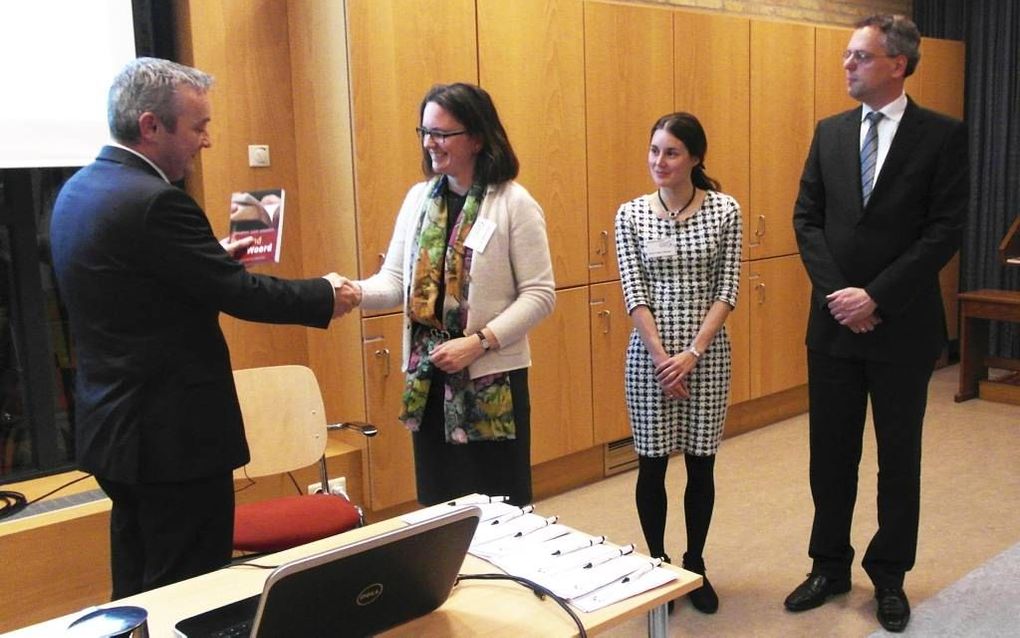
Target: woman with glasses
x=469, y=262
x=679, y=256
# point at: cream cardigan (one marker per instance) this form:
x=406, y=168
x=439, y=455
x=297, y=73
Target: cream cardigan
x=512, y=286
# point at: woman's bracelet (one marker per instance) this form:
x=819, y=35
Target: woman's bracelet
x=694, y=351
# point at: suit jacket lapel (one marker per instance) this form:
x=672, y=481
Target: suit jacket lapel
x=907, y=135
x=127, y=158
x=849, y=136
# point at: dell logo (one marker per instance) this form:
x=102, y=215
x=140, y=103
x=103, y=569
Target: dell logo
x=369, y=595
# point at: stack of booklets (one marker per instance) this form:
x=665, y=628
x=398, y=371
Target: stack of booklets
x=588, y=571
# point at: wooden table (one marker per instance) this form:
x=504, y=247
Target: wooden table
x=475, y=608
x=977, y=308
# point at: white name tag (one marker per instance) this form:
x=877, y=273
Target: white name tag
x=481, y=233
x=662, y=247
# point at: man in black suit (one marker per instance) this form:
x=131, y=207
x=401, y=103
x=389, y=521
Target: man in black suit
x=879, y=213
x=144, y=281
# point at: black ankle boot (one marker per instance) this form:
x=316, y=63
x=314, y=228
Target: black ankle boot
x=703, y=598
x=669, y=605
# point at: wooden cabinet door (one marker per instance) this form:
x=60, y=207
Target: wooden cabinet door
x=738, y=326
x=831, y=95
x=779, y=295
x=531, y=60
x=610, y=334
x=712, y=61
x=398, y=49
x=939, y=82
x=628, y=71
x=390, y=458
x=560, y=379
x=782, y=122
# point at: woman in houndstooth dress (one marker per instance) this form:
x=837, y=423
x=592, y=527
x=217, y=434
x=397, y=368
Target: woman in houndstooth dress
x=679, y=258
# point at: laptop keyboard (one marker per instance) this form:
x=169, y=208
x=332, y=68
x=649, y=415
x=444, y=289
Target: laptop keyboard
x=240, y=630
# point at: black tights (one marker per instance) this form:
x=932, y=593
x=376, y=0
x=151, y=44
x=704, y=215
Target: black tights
x=699, y=500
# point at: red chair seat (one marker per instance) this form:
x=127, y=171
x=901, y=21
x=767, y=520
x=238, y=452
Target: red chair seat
x=280, y=523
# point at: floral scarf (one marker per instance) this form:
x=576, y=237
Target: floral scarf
x=475, y=409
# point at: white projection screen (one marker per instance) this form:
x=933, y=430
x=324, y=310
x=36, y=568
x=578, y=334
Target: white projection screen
x=59, y=57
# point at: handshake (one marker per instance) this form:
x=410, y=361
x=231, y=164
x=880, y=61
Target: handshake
x=346, y=293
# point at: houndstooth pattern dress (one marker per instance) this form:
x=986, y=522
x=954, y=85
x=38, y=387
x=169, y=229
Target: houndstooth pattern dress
x=679, y=289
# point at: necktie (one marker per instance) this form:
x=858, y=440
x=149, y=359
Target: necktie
x=869, y=155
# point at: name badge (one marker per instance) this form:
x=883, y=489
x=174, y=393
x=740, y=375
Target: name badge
x=662, y=247
x=481, y=233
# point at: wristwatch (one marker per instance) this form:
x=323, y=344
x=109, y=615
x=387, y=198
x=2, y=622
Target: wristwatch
x=485, y=342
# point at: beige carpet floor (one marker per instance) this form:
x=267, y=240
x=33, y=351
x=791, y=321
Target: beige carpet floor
x=757, y=546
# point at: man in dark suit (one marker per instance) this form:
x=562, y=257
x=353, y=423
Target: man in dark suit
x=879, y=213
x=144, y=280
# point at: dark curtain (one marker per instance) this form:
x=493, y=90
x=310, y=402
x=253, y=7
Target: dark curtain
x=154, y=28
x=991, y=29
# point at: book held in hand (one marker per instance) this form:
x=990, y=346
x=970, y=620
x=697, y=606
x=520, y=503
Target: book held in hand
x=258, y=214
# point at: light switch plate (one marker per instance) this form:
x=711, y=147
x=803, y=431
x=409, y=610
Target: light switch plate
x=258, y=155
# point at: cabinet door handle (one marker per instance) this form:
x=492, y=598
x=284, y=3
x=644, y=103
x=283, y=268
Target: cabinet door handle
x=759, y=231
x=382, y=260
x=761, y=292
x=384, y=354
x=607, y=318
x=603, y=247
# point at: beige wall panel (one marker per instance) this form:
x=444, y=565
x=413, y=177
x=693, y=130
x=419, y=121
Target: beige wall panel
x=628, y=86
x=782, y=122
x=778, y=297
x=560, y=379
x=531, y=60
x=610, y=334
x=322, y=125
x=713, y=82
x=390, y=458
x=251, y=104
x=831, y=95
x=398, y=49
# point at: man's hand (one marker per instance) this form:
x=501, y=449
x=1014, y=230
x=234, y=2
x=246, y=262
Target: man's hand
x=852, y=306
x=865, y=325
x=346, y=294
x=236, y=249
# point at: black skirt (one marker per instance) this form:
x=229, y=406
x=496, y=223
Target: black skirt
x=444, y=471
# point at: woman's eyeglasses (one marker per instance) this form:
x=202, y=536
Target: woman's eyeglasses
x=438, y=136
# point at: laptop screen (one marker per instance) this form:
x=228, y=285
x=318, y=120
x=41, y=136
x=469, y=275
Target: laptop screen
x=354, y=590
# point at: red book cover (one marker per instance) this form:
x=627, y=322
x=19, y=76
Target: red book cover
x=258, y=214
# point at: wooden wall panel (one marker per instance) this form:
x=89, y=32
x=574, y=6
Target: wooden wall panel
x=560, y=379
x=713, y=82
x=782, y=122
x=322, y=130
x=628, y=86
x=610, y=334
x=531, y=60
x=251, y=104
x=779, y=295
x=398, y=49
x=831, y=95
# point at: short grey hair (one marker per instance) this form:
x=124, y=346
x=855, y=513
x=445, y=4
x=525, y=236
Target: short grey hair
x=901, y=37
x=149, y=84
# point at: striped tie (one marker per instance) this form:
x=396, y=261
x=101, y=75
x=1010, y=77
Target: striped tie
x=869, y=155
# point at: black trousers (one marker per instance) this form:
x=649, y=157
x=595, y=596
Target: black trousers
x=839, y=390
x=444, y=471
x=161, y=533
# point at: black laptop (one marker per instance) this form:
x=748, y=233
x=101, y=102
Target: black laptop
x=354, y=590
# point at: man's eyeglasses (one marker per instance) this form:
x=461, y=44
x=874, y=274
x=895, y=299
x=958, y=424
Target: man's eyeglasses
x=863, y=57
x=439, y=136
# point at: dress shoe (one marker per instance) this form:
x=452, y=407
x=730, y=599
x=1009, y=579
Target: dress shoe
x=893, y=608
x=703, y=598
x=814, y=591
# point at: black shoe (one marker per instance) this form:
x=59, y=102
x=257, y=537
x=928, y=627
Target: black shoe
x=703, y=598
x=893, y=608
x=814, y=591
